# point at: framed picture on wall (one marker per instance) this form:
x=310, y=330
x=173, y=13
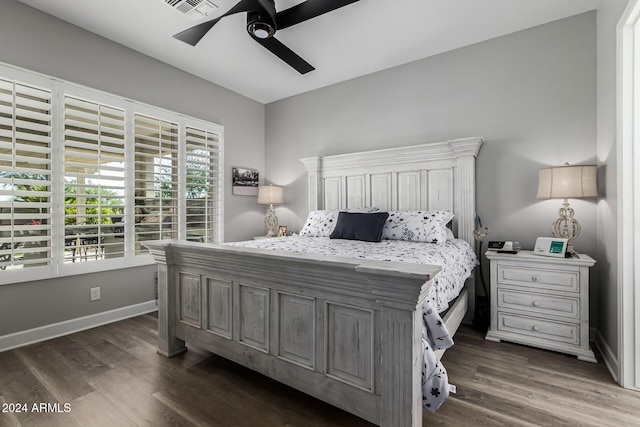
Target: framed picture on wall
x=244, y=181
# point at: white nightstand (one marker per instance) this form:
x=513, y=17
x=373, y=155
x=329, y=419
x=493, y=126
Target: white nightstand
x=541, y=301
x=263, y=237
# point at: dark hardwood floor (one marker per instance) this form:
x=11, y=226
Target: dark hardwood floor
x=112, y=376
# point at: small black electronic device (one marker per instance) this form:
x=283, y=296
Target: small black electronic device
x=508, y=247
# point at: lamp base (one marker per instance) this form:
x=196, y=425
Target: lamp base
x=271, y=221
x=566, y=226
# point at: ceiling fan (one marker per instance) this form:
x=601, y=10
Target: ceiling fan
x=263, y=21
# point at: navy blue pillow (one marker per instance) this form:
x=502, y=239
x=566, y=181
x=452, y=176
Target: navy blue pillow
x=360, y=226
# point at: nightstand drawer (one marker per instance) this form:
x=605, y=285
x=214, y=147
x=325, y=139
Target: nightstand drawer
x=555, y=331
x=538, y=304
x=536, y=278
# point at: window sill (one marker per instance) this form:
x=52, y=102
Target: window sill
x=32, y=274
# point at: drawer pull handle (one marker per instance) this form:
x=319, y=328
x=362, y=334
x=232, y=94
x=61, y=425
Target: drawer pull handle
x=536, y=328
x=534, y=278
x=535, y=303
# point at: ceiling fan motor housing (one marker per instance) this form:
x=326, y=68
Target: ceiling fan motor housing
x=260, y=26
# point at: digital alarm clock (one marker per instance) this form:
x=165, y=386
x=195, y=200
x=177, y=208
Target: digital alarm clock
x=551, y=246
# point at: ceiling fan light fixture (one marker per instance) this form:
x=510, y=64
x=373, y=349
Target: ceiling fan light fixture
x=261, y=30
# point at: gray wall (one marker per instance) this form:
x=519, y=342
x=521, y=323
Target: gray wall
x=531, y=95
x=41, y=43
x=30, y=305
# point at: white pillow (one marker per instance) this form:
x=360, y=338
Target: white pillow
x=319, y=224
x=450, y=235
x=417, y=226
x=362, y=210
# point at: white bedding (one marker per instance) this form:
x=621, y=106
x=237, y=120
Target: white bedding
x=456, y=257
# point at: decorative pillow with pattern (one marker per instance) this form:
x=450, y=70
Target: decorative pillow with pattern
x=319, y=224
x=417, y=226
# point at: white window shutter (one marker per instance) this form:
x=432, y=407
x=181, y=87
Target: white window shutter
x=202, y=167
x=156, y=179
x=25, y=175
x=94, y=139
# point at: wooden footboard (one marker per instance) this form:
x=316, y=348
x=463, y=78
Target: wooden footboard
x=345, y=331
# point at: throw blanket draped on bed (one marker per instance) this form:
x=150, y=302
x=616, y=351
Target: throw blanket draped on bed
x=457, y=259
x=435, y=381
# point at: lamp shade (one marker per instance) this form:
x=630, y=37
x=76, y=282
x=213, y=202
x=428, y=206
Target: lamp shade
x=566, y=181
x=270, y=195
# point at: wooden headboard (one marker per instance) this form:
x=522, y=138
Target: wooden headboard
x=434, y=176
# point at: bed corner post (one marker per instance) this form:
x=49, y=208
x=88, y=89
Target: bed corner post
x=312, y=164
x=465, y=151
x=401, y=344
x=401, y=368
x=168, y=344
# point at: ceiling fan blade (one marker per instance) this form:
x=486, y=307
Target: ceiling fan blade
x=268, y=6
x=287, y=55
x=307, y=10
x=193, y=35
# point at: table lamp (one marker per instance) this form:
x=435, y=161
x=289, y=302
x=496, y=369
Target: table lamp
x=270, y=195
x=566, y=182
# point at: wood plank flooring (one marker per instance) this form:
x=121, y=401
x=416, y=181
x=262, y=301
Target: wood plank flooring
x=111, y=376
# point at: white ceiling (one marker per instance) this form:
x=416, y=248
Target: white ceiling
x=359, y=39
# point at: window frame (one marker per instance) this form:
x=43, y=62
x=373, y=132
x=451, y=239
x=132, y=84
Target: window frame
x=60, y=89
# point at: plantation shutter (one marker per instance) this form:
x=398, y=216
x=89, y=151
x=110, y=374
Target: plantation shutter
x=86, y=176
x=203, y=203
x=156, y=179
x=25, y=175
x=94, y=139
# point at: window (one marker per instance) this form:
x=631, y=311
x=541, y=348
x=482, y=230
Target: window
x=156, y=179
x=25, y=175
x=202, y=185
x=159, y=209
x=94, y=199
x=86, y=178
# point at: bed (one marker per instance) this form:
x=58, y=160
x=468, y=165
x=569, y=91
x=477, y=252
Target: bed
x=345, y=330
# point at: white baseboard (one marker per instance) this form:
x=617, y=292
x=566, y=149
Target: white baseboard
x=54, y=330
x=608, y=355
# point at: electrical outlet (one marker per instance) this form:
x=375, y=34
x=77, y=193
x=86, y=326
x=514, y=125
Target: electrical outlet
x=95, y=294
